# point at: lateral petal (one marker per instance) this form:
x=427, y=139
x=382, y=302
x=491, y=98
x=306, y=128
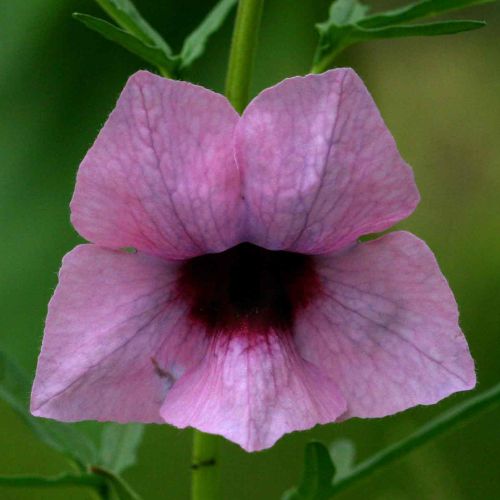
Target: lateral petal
x=116, y=339
x=386, y=328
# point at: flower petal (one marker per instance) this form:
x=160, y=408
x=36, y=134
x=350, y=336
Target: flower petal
x=161, y=176
x=319, y=166
x=252, y=390
x=386, y=329
x=115, y=339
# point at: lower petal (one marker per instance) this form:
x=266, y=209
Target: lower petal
x=252, y=389
x=386, y=328
x=116, y=338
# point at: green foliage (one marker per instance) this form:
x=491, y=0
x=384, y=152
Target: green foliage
x=119, y=443
x=343, y=453
x=419, y=10
x=319, y=470
x=122, y=489
x=325, y=476
x=195, y=43
x=349, y=23
x=98, y=468
x=136, y=35
x=100, y=480
x=89, y=480
x=429, y=29
x=152, y=54
x=15, y=388
x=345, y=13
x=124, y=13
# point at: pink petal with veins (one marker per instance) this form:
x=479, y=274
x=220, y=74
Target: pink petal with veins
x=386, y=328
x=232, y=338
x=115, y=340
x=161, y=176
x=320, y=168
x=253, y=388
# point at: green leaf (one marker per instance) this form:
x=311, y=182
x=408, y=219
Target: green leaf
x=441, y=424
x=15, y=389
x=316, y=483
x=348, y=23
x=63, y=480
x=194, y=45
x=418, y=10
x=100, y=480
x=152, y=54
x=126, y=15
x=119, y=444
x=429, y=29
x=345, y=12
x=136, y=35
x=343, y=454
x=122, y=489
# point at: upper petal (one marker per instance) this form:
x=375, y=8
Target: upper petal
x=386, y=329
x=319, y=166
x=252, y=390
x=115, y=339
x=161, y=175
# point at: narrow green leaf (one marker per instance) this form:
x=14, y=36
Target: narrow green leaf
x=316, y=482
x=63, y=480
x=348, y=23
x=153, y=55
x=119, y=444
x=429, y=29
x=345, y=12
x=343, y=453
x=194, y=45
x=418, y=10
x=122, y=489
x=15, y=389
x=441, y=424
x=126, y=15
x=336, y=39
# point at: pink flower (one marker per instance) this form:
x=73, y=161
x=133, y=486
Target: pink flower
x=250, y=309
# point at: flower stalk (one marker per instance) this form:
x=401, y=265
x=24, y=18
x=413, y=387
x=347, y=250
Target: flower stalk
x=205, y=480
x=205, y=484
x=242, y=53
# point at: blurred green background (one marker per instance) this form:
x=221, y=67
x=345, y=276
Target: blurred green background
x=441, y=99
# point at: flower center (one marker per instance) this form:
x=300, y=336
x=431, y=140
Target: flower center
x=247, y=288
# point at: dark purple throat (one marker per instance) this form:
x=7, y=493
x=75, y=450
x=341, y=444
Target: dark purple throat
x=247, y=288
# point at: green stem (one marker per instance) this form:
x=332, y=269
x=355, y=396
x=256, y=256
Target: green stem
x=326, y=62
x=63, y=480
x=114, y=483
x=435, y=427
x=242, y=52
x=205, y=484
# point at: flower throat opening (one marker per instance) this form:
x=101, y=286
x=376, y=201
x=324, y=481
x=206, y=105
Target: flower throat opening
x=247, y=288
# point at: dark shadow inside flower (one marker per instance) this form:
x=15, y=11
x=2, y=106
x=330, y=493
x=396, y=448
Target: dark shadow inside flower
x=248, y=286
